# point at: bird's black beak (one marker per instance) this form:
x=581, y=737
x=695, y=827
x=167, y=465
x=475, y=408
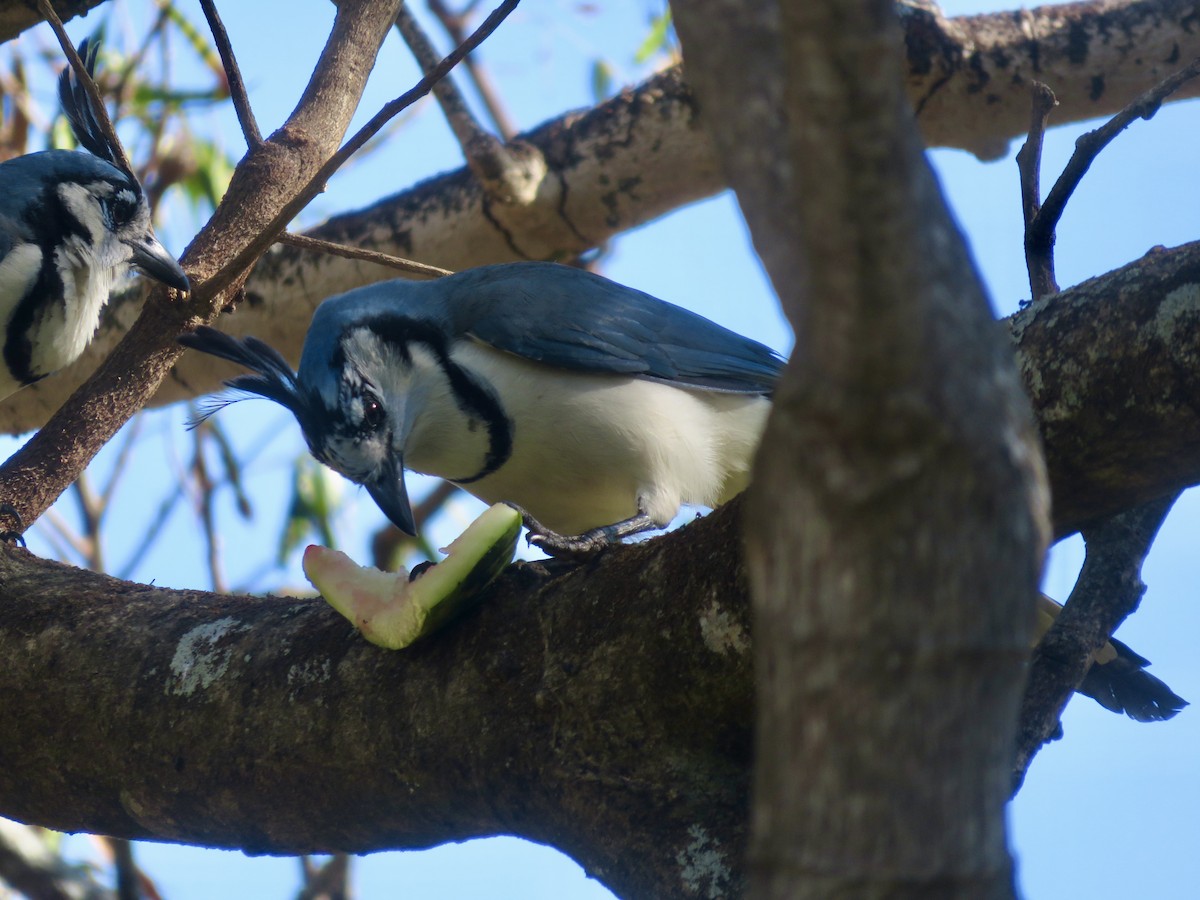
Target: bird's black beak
x=152, y=258
x=391, y=496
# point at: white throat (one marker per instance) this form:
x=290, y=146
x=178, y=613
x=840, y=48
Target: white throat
x=88, y=268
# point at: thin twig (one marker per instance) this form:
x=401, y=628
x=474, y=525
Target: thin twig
x=316, y=245
x=1108, y=589
x=455, y=25
x=1040, y=235
x=330, y=881
x=152, y=532
x=128, y=882
x=134, y=63
x=243, y=260
x=237, y=87
x=207, y=513
x=90, y=512
x=121, y=463
x=89, y=86
x=509, y=173
x=61, y=536
x=479, y=146
x=1038, y=261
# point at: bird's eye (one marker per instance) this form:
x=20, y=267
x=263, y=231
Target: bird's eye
x=122, y=206
x=373, y=414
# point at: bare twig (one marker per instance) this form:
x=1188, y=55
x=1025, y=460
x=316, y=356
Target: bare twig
x=237, y=87
x=89, y=86
x=1038, y=261
x=508, y=173
x=241, y=261
x=328, y=882
x=128, y=880
x=206, y=512
x=151, y=533
x=1039, y=235
x=89, y=513
x=121, y=464
x=455, y=25
x=316, y=245
x=1109, y=589
x=134, y=63
x=57, y=532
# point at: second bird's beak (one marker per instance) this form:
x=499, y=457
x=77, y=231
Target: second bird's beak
x=152, y=258
x=391, y=496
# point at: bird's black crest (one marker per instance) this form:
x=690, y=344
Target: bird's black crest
x=273, y=378
x=77, y=107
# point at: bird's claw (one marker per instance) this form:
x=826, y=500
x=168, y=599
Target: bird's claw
x=562, y=546
x=14, y=536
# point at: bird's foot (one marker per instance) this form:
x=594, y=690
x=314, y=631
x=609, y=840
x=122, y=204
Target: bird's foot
x=585, y=545
x=13, y=536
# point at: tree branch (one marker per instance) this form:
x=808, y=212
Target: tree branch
x=345, y=251
x=969, y=76
x=1112, y=367
x=900, y=461
x=1039, y=232
x=508, y=173
x=263, y=184
x=519, y=719
x=233, y=74
x=1108, y=590
x=1039, y=260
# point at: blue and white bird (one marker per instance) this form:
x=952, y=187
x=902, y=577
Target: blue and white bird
x=595, y=408
x=71, y=224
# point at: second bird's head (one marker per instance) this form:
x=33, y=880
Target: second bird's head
x=349, y=397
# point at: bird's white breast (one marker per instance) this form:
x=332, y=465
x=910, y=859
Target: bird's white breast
x=587, y=449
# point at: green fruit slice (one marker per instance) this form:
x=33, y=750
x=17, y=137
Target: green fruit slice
x=393, y=612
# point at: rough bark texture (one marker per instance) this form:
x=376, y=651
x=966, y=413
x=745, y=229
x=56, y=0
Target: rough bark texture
x=969, y=76
x=18, y=15
x=900, y=463
x=643, y=154
x=1113, y=370
x=578, y=710
x=609, y=711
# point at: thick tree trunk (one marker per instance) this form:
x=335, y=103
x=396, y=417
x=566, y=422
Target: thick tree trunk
x=899, y=512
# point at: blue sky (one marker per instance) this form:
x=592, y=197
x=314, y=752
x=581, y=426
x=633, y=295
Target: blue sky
x=1113, y=810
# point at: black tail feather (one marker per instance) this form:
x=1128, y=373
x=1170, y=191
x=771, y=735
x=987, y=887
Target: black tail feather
x=1123, y=685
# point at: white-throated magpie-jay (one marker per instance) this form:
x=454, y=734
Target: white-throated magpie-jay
x=596, y=408
x=71, y=224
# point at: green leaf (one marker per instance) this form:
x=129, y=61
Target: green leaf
x=601, y=81
x=656, y=40
x=316, y=492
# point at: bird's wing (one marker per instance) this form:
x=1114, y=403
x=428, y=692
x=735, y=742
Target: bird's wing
x=573, y=319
